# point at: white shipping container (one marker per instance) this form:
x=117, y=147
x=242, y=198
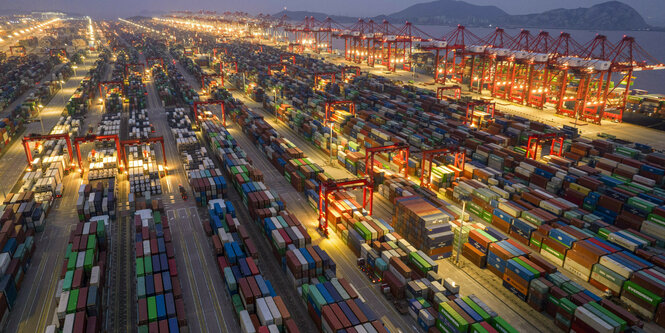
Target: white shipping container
x=246, y=322
x=592, y=320
x=68, y=327
x=61, y=311
x=274, y=311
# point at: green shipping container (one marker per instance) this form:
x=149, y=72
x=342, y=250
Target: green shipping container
x=478, y=309
x=641, y=293
x=502, y=326
x=92, y=242
x=73, y=299
x=89, y=260
x=147, y=261
x=152, y=309
x=453, y=317
x=140, y=271
x=67, y=283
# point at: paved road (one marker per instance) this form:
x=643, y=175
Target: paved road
x=269, y=267
x=15, y=155
x=208, y=305
x=36, y=302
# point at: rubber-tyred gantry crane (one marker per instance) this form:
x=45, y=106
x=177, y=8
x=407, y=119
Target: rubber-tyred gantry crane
x=287, y=57
x=190, y=51
x=402, y=148
x=20, y=50
x=471, y=108
x=220, y=103
x=457, y=92
x=149, y=62
x=429, y=155
x=57, y=52
x=107, y=84
x=328, y=187
x=319, y=76
x=332, y=105
x=354, y=71
x=136, y=142
x=94, y=138
x=134, y=66
x=36, y=137
x=215, y=49
x=230, y=66
x=210, y=82
x=536, y=140
x=279, y=66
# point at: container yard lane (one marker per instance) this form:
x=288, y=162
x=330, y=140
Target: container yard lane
x=34, y=307
x=208, y=306
x=298, y=204
x=525, y=319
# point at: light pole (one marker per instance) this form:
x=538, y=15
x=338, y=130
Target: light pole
x=464, y=198
x=331, y=143
x=41, y=120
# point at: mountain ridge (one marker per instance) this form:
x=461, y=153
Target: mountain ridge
x=611, y=15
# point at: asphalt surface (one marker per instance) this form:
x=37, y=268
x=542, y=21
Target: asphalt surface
x=268, y=266
x=35, y=305
x=14, y=154
x=208, y=305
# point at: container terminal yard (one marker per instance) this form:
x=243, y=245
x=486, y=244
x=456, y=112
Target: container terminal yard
x=196, y=172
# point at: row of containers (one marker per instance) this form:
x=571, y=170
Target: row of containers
x=79, y=103
x=290, y=149
x=159, y=295
x=288, y=238
x=603, y=187
x=50, y=164
x=579, y=149
x=254, y=300
x=80, y=293
x=30, y=73
x=367, y=231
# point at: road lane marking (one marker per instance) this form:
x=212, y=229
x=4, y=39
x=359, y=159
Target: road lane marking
x=206, y=272
x=193, y=287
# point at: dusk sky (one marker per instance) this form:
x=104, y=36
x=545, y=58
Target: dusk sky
x=652, y=10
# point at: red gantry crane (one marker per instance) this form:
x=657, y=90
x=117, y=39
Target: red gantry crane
x=457, y=92
x=136, y=142
x=20, y=50
x=401, y=148
x=355, y=71
x=328, y=187
x=58, y=52
x=320, y=76
x=134, y=66
x=94, y=138
x=149, y=62
x=211, y=82
x=287, y=57
x=331, y=106
x=220, y=103
x=230, y=66
x=428, y=157
x=536, y=140
x=36, y=137
x=109, y=84
x=471, y=108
